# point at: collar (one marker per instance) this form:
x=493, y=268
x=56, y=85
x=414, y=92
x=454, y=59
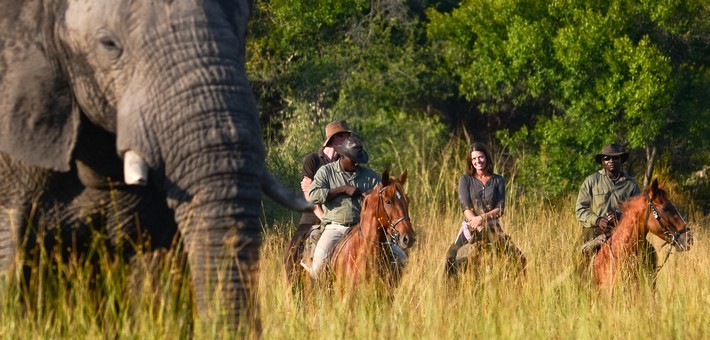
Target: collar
x=622, y=176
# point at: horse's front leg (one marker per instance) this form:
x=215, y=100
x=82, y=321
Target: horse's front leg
x=604, y=269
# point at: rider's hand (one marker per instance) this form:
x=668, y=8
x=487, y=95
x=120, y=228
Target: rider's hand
x=601, y=225
x=306, y=183
x=476, y=223
x=611, y=217
x=352, y=191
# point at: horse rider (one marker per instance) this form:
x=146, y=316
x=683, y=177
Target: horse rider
x=338, y=188
x=335, y=134
x=482, y=198
x=598, y=202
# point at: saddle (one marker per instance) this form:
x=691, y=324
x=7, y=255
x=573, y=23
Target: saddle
x=311, y=240
x=308, y=246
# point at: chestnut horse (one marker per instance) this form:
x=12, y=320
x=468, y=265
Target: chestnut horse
x=366, y=250
x=365, y=253
x=627, y=249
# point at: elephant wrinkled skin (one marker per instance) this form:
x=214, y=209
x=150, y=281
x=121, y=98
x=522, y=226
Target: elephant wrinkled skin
x=84, y=83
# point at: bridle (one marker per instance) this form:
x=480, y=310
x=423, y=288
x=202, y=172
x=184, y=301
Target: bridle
x=666, y=225
x=384, y=220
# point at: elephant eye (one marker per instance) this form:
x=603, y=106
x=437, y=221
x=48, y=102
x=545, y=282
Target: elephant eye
x=109, y=44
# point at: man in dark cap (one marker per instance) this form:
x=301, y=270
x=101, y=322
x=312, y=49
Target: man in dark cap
x=598, y=203
x=338, y=187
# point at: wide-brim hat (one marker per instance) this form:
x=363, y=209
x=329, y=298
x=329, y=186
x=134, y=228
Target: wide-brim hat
x=334, y=128
x=612, y=149
x=352, y=148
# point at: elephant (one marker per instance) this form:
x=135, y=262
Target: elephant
x=136, y=118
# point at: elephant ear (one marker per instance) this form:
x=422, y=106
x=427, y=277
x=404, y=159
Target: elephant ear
x=38, y=122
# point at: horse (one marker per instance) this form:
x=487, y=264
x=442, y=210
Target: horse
x=365, y=252
x=627, y=249
x=487, y=250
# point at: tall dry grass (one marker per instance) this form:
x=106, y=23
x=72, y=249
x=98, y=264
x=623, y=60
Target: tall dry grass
x=80, y=300
x=550, y=302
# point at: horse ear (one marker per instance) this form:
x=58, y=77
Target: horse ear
x=662, y=184
x=403, y=177
x=39, y=123
x=654, y=187
x=385, y=177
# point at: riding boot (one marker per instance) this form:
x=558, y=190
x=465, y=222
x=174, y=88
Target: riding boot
x=450, y=264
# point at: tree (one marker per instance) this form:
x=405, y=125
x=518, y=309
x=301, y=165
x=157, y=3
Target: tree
x=581, y=74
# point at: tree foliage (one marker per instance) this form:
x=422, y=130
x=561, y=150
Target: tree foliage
x=550, y=81
x=594, y=71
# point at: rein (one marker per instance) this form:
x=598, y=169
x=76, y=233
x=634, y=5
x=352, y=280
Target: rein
x=385, y=223
x=666, y=231
x=664, y=226
x=384, y=220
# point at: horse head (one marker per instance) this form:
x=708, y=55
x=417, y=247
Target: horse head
x=667, y=223
x=393, y=210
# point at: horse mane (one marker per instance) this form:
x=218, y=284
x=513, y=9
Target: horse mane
x=631, y=208
x=356, y=229
x=634, y=212
x=631, y=216
x=628, y=247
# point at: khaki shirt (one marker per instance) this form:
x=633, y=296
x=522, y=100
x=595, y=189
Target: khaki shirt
x=342, y=209
x=600, y=195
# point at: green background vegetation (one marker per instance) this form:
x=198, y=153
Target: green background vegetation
x=544, y=83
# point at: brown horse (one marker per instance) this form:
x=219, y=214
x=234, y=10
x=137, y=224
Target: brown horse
x=366, y=250
x=627, y=250
x=365, y=253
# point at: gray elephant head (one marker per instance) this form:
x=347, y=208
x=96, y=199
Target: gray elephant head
x=164, y=83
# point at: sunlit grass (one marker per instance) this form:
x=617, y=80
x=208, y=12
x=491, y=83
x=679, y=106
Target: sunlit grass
x=550, y=302
x=96, y=299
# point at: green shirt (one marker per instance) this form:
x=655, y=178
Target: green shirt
x=600, y=195
x=342, y=209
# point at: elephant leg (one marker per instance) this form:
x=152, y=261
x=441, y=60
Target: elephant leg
x=134, y=219
x=20, y=185
x=11, y=222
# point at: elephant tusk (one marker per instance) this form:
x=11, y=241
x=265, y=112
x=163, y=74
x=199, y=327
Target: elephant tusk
x=277, y=192
x=135, y=170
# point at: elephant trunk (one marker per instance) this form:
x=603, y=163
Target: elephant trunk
x=223, y=254
x=214, y=185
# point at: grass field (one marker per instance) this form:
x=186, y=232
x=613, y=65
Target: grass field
x=72, y=300
x=548, y=303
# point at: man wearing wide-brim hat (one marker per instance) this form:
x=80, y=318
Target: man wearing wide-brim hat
x=335, y=134
x=598, y=207
x=338, y=187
